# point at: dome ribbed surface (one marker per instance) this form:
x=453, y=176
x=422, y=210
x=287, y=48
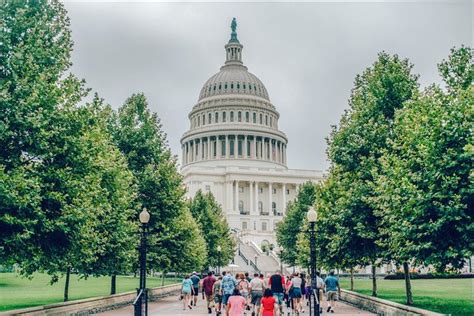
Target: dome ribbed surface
x=233, y=79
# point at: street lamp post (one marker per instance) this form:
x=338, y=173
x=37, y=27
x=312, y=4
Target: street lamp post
x=219, y=249
x=312, y=216
x=142, y=291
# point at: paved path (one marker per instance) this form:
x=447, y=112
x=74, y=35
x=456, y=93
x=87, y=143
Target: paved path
x=171, y=306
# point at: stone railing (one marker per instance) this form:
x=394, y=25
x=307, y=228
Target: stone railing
x=96, y=304
x=382, y=307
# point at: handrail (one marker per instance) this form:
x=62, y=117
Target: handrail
x=254, y=266
x=243, y=257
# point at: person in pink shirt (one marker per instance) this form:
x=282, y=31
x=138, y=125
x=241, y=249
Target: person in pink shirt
x=236, y=304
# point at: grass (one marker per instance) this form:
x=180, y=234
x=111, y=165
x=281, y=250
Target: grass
x=17, y=292
x=447, y=296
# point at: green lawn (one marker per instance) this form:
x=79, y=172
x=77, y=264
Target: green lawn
x=448, y=296
x=18, y=292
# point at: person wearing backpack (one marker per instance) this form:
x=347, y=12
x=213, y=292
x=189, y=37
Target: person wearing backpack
x=243, y=286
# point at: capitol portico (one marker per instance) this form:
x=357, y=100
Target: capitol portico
x=235, y=150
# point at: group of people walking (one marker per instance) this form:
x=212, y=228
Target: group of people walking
x=235, y=295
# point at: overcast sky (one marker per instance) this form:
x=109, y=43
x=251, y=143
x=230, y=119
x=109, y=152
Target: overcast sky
x=306, y=54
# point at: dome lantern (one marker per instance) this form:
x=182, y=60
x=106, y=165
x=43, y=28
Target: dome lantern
x=233, y=48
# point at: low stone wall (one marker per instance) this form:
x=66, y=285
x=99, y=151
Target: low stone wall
x=96, y=304
x=382, y=307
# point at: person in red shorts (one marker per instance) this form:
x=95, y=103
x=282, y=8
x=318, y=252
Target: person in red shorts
x=268, y=303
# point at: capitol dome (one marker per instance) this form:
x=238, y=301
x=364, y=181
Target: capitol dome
x=233, y=79
x=234, y=119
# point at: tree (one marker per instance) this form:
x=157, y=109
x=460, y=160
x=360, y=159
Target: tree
x=138, y=134
x=359, y=140
x=62, y=179
x=288, y=229
x=208, y=213
x=425, y=190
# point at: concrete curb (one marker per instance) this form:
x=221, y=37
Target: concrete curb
x=381, y=306
x=95, y=304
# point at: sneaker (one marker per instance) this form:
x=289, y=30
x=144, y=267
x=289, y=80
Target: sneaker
x=209, y=310
x=332, y=311
x=328, y=310
x=191, y=303
x=190, y=307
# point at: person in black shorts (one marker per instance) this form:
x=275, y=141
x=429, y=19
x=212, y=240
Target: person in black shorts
x=195, y=278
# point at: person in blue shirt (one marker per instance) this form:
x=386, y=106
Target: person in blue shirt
x=227, y=286
x=186, y=290
x=332, y=289
x=195, y=278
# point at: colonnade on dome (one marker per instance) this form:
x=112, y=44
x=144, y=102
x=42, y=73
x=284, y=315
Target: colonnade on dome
x=234, y=146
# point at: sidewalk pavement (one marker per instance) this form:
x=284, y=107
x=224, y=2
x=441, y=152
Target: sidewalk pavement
x=172, y=306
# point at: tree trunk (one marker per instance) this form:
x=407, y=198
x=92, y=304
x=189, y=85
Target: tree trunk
x=66, y=285
x=352, y=279
x=407, y=283
x=374, y=280
x=113, y=284
x=162, y=278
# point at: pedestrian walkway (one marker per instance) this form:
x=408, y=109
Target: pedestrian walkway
x=171, y=306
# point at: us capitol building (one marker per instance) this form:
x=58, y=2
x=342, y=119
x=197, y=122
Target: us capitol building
x=235, y=150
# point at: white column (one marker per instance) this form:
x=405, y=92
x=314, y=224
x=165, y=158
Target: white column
x=236, y=202
x=283, y=200
x=236, y=153
x=264, y=151
x=227, y=146
x=208, y=148
x=251, y=197
x=254, y=154
x=255, y=203
x=229, y=196
x=245, y=147
x=270, y=193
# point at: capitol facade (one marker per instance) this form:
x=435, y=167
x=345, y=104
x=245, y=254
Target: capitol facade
x=235, y=150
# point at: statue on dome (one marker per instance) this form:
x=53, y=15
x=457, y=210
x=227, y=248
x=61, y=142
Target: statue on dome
x=233, y=27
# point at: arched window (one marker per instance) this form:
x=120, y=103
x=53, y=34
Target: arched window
x=261, y=118
x=266, y=119
x=220, y=86
x=254, y=117
x=238, y=85
x=199, y=121
x=247, y=117
x=216, y=117
x=209, y=121
x=239, y=116
x=203, y=119
x=232, y=85
x=271, y=121
x=225, y=86
x=223, y=117
x=244, y=86
x=231, y=116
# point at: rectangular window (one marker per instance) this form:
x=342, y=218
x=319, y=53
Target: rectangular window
x=287, y=191
x=260, y=190
x=208, y=187
x=248, y=148
x=223, y=153
x=241, y=189
x=214, y=148
x=244, y=226
x=274, y=191
x=231, y=150
x=264, y=226
x=239, y=147
x=241, y=207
